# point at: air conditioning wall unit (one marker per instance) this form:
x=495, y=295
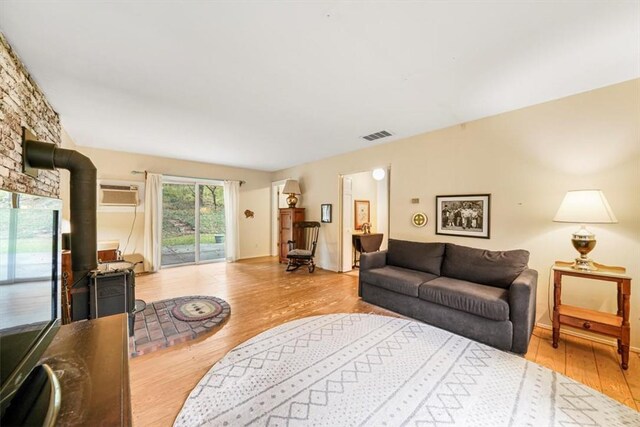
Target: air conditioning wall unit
x=119, y=196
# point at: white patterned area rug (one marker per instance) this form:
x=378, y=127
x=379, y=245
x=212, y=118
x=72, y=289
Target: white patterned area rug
x=369, y=370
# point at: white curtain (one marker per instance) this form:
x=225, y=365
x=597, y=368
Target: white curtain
x=231, y=210
x=152, y=222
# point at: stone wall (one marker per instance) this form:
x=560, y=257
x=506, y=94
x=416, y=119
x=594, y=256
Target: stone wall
x=22, y=103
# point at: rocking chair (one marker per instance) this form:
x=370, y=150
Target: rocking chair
x=303, y=248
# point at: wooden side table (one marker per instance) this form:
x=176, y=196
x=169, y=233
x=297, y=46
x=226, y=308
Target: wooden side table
x=363, y=243
x=613, y=325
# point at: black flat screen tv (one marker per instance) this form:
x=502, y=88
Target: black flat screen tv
x=29, y=285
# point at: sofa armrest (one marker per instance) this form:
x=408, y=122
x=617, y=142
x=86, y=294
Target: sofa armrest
x=522, y=309
x=371, y=260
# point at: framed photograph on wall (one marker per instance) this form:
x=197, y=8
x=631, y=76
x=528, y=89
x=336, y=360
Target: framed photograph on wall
x=465, y=215
x=325, y=212
x=362, y=214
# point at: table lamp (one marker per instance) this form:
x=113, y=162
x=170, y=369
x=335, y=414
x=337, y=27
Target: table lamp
x=291, y=187
x=585, y=207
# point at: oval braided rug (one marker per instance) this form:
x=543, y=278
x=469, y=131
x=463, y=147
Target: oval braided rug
x=369, y=370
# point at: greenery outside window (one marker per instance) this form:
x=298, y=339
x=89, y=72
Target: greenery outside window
x=193, y=223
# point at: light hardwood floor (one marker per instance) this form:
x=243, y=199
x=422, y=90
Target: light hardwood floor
x=262, y=296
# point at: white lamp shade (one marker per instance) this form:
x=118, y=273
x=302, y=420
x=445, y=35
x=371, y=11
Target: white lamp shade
x=585, y=207
x=291, y=186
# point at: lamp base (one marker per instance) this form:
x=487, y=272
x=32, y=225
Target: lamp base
x=292, y=200
x=583, y=241
x=584, y=264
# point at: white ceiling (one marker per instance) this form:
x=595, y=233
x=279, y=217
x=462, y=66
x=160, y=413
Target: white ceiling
x=267, y=85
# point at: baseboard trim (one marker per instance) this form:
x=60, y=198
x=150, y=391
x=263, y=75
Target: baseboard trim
x=257, y=256
x=600, y=340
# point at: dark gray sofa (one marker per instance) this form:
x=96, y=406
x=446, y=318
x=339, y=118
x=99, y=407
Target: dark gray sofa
x=488, y=296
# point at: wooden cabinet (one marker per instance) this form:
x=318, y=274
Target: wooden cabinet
x=613, y=325
x=108, y=255
x=286, y=219
x=65, y=293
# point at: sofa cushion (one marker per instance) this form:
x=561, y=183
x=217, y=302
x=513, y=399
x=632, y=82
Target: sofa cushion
x=419, y=256
x=397, y=279
x=493, y=268
x=484, y=301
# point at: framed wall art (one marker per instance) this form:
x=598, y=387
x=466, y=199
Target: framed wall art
x=325, y=212
x=362, y=214
x=465, y=215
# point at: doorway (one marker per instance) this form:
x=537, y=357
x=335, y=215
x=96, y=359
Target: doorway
x=363, y=199
x=193, y=222
x=278, y=200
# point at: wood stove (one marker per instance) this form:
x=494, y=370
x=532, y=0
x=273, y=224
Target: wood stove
x=112, y=292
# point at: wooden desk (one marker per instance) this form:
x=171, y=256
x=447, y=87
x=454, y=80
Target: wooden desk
x=614, y=325
x=363, y=243
x=91, y=360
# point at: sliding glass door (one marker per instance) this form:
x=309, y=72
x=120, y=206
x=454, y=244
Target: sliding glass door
x=193, y=227
x=211, y=222
x=178, y=224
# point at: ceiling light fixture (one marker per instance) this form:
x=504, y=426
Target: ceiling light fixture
x=378, y=174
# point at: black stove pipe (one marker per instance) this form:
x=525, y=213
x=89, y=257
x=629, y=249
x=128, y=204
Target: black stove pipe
x=83, y=185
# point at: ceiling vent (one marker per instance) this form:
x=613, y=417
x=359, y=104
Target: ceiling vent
x=377, y=135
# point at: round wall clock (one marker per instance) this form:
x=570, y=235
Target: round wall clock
x=419, y=219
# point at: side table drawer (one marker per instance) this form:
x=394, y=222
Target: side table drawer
x=590, y=325
x=591, y=320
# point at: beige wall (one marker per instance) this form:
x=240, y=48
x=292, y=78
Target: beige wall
x=114, y=165
x=527, y=159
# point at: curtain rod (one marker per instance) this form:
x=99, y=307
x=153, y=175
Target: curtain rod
x=135, y=172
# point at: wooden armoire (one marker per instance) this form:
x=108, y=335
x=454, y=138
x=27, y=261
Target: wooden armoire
x=287, y=217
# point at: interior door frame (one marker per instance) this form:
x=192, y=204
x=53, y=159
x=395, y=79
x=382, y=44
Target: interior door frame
x=275, y=217
x=341, y=232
